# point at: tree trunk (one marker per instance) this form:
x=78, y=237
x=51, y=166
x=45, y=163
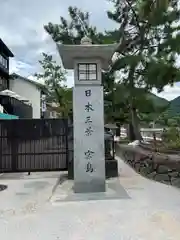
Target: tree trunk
x=133, y=112
x=118, y=130
x=130, y=132
x=135, y=125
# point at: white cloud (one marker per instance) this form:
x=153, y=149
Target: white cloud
x=70, y=79
x=22, y=27
x=20, y=67
x=169, y=92
x=22, y=30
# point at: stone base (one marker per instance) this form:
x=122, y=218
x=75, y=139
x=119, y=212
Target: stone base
x=89, y=187
x=65, y=193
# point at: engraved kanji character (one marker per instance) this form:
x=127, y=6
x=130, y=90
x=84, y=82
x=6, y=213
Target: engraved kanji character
x=89, y=154
x=89, y=167
x=89, y=131
x=88, y=93
x=88, y=107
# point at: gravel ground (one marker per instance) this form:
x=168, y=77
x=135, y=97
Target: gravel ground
x=151, y=211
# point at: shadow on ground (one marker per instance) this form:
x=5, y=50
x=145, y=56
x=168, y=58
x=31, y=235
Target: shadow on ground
x=33, y=175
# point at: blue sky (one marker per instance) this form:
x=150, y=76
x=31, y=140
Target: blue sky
x=21, y=28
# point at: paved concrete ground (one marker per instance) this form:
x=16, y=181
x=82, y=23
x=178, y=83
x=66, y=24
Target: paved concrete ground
x=152, y=211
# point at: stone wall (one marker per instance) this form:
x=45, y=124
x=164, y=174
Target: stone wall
x=159, y=167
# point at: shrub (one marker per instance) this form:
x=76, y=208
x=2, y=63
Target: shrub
x=171, y=138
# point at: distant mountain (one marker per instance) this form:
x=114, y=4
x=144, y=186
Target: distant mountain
x=158, y=101
x=174, y=108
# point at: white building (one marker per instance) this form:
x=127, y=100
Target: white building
x=51, y=110
x=28, y=89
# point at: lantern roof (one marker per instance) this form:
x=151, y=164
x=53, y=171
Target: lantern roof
x=86, y=51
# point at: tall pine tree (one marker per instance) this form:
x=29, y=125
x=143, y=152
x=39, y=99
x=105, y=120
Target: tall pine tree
x=148, y=47
x=148, y=44
x=72, y=31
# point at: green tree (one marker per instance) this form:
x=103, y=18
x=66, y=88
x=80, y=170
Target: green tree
x=172, y=123
x=162, y=119
x=71, y=32
x=55, y=82
x=146, y=51
x=117, y=110
x=177, y=119
x=148, y=44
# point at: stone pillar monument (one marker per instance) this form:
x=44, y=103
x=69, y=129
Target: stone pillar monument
x=88, y=60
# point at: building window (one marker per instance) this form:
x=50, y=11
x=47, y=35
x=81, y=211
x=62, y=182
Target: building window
x=3, y=61
x=87, y=72
x=3, y=84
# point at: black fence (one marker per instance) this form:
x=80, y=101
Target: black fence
x=34, y=145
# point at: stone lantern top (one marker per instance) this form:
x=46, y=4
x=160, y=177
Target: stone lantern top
x=86, y=51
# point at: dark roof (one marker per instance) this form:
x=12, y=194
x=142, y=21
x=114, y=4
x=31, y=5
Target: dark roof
x=37, y=84
x=5, y=49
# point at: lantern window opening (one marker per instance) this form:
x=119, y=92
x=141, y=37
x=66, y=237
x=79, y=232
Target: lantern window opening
x=87, y=72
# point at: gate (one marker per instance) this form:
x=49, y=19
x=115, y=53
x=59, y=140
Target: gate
x=33, y=145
